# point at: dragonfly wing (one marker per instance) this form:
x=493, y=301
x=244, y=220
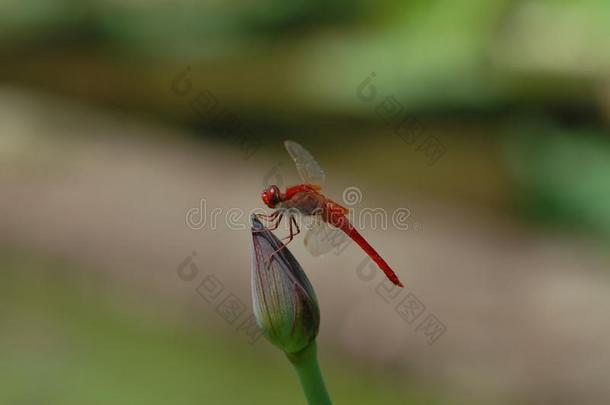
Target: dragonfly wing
x=321, y=238
x=309, y=170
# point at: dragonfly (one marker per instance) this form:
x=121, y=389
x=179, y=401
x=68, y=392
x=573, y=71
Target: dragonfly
x=306, y=199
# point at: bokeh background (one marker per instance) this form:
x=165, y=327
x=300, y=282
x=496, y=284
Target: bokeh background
x=487, y=120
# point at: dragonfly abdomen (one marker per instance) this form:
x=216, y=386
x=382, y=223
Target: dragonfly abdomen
x=342, y=222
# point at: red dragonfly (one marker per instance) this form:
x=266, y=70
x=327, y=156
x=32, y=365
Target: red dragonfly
x=307, y=200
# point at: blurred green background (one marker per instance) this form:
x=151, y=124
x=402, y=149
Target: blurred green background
x=118, y=117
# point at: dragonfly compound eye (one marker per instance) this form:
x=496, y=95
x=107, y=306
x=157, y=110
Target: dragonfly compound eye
x=271, y=196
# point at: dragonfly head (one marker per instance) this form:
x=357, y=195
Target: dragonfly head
x=271, y=196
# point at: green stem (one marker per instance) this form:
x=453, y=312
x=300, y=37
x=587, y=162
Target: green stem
x=305, y=363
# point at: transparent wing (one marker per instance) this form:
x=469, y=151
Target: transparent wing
x=309, y=170
x=321, y=238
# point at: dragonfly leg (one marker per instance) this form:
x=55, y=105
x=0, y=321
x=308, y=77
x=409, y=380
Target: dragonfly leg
x=274, y=219
x=292, y=234
x=273, y=215
x=272, y=256
x=290, y=237
x=277, y=219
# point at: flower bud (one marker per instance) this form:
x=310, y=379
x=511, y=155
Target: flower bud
x=285, y=304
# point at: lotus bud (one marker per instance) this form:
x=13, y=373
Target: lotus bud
x=285, y=304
